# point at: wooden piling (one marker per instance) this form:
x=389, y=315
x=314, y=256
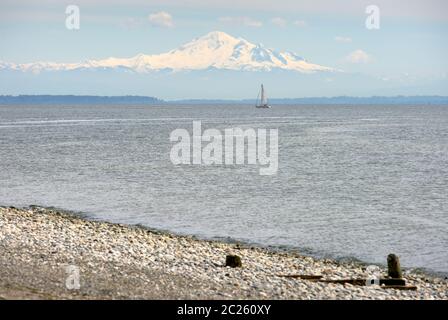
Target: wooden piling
x=233, y=261
x=393, y=267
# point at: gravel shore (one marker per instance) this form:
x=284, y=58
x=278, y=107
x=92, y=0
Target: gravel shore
x=41, y=251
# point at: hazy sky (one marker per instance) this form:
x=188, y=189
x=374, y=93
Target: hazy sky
x=411, y=42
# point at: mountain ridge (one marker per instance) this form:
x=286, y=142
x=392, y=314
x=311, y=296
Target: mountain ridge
x=216, y=49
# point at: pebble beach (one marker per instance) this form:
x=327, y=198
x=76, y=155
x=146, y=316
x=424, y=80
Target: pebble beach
x=39, y=248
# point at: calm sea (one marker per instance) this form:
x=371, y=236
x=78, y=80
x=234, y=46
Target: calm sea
x=353, y=181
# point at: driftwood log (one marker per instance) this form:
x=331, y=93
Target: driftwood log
x=355, y=282
x=301, y=276
x=362, y=282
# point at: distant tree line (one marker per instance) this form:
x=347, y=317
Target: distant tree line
x=72, y=99
x=142, y=100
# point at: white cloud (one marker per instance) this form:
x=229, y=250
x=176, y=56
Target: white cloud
x=343, y=39
x=161, y=19
x=244, y=21
x=299, y=23
x=279, y=22
x=358, y=56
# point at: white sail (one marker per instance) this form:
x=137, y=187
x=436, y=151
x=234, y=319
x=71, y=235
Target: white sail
x=263, y=99
x=262, y=95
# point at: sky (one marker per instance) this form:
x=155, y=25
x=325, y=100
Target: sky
x=409, y=46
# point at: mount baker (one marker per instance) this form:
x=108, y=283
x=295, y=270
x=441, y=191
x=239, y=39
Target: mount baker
x=215, y=50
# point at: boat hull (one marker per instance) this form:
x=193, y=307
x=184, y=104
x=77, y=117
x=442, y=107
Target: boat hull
x=264, y=106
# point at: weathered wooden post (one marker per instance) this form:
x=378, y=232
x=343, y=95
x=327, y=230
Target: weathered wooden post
x=393, y=266
x=233, y=261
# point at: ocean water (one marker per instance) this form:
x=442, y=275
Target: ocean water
x=353, y=181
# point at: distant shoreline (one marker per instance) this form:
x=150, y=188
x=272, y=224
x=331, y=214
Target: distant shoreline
x=148, y=100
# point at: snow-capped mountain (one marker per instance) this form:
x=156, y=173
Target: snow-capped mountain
x=216, y=50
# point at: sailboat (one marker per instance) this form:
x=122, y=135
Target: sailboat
x=263, y=102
